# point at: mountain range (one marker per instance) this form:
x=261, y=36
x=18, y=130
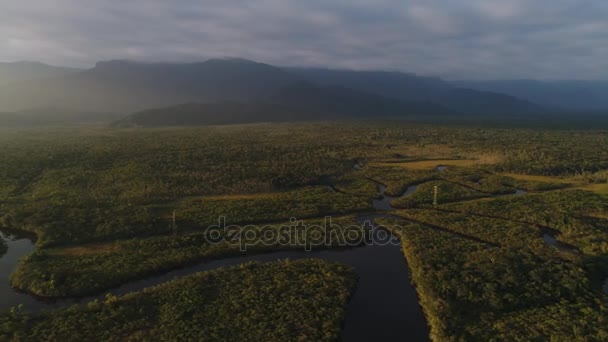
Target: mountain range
x=570, y=95
x=237, y=90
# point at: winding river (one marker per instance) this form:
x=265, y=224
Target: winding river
x=384, y=307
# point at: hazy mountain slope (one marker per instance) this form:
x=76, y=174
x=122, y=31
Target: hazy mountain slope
x=411, y=87
x=474, y=102
x=25, y=71
x=399, y=85
x=123, y=86
x=54, y=116
x=347, y=102
x=568, y=95
x=297, y=102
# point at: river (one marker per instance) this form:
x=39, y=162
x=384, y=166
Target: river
x=384, y=307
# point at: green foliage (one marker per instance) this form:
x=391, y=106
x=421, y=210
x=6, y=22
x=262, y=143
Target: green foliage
x=579, y=215
x=100, y=184
x=301, y=203
x=300, y=300
x=355, y=184
x=89, y=269
x=396, y=178
x=101, y=203
x=490, y=183
x=446, y=192
x=474, y=291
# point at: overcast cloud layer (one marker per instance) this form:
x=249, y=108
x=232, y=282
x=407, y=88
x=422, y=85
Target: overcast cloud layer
x=546, y=39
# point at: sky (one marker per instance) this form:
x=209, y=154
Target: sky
x=455, y=39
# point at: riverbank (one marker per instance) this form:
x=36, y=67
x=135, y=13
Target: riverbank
x=284, y=300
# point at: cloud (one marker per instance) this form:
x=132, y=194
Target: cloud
x=500, y=9
x=455, y=39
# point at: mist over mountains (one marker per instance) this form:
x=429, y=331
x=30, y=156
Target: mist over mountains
x=237, y=90
x=26, y=71
x=564, y=94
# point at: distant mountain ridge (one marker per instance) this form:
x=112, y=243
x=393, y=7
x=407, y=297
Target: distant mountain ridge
x=127, y=87
x=298, y=102
x=565, y=94
x=409, y=87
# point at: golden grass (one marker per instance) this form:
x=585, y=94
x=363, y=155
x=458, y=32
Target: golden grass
x=431, y=164
x=428, y=151
x=600, y=188
x=89, y=249
x=535, y=178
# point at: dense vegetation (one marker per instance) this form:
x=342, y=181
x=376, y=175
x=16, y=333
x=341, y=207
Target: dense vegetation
x=580, y=216
x=101, y=202
x=302, y=203
x=287, y=300
x=473, y=291
x=446, y=192
x=89, y=269
x=482, y=268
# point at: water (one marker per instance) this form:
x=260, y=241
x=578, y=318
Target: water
x=384, y=203
x=550, y=240
x=384, y=307
x=18, y=246
x=549, y=236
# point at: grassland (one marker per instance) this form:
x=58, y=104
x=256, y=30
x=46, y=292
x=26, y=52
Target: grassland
x=243, y=303
x=537, y=178
x=597, y=188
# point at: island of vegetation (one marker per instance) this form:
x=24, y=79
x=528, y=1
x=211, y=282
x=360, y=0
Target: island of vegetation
x=301, y=300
